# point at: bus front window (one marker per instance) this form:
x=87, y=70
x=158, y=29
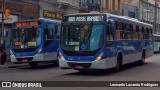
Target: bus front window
x=28, y=37
x=82, y=37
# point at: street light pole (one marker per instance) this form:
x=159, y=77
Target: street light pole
x=155, y=16
x=2, y=21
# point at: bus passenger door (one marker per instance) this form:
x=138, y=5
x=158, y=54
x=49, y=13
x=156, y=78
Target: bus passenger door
x=110, y=42
x=49, y=38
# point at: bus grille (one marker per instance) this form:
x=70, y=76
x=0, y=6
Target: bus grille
x=28, y=59
x=85, y=65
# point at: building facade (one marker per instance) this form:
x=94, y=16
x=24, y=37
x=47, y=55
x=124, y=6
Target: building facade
x=109, y=6
x=130, y=11
x=20, y=10
x=91, y=5
x=55, y=9
x=147, y=13
x=26, y=9
x=113, y=6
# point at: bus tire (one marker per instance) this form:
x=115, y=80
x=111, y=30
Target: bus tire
x=82, y=71
x=142, y=61
x=56, y=63
x=118, y=66
x=33, y=64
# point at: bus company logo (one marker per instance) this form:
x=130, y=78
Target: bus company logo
x=6, y=84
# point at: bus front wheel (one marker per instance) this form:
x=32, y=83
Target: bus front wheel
x=118, y=66
x=56, y=63
x=83, y=71
x=33, y=64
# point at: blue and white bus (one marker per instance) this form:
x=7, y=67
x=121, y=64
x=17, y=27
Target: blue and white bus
x=35, y=41
x=156, y=43
x=100, y=41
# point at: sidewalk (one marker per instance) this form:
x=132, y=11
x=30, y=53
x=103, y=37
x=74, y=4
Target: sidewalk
x=9, y=64
x=6, y=64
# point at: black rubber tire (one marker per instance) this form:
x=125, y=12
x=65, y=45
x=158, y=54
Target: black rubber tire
x=56, y=63
x=3, y=59
x=142, y=61
x=118, y=66
x=33, y=64
x=2, y=62
x=82, y=71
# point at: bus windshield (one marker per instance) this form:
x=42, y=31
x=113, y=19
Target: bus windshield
x=82, y=37
x=28, y=37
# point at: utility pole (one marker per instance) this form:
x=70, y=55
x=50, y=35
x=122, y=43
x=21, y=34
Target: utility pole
x=2, y=21
x=155, y=17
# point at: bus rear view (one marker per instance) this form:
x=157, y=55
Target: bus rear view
x=34, y=41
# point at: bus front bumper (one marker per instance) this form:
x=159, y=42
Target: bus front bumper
x=36, y=58
x=100, y=64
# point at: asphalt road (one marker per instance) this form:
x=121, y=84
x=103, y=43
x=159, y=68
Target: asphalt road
x=131, y=72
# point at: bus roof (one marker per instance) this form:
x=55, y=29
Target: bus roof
x=129, y=19
x=50, y=20
x=114, y=16
x=58, y=21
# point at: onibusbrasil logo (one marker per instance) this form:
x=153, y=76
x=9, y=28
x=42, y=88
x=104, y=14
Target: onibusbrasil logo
x=21, y=84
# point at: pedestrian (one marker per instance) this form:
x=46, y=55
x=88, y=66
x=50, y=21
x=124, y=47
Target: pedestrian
x=3, y=54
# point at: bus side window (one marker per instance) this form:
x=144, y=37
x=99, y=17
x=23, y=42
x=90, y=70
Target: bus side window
x=129, y=31
x=137, y=32
x=57, y=31
x=118, y=28
x=135, y=36
x=147, y=33
x=143, y=32
x=110, y=35
x=150, y=34
x=140, y=33
x=123, y=31
x=48, y=34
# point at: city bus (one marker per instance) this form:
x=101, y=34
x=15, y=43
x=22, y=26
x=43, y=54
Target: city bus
x=156, y=43
x=100, y=41
x=35, y=41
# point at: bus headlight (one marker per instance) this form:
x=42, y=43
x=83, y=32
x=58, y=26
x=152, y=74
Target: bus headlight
x=99, y=57
x=11, y=52
x=39, y=51
x=61, y=56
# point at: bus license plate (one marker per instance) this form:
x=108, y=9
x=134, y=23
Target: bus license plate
x=24, y=60
x=79, y=67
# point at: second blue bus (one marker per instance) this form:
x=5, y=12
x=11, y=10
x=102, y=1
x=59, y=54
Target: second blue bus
x=35, y=41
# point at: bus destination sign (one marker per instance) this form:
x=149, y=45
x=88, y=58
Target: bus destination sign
x=25, y=24
x=89, y=18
